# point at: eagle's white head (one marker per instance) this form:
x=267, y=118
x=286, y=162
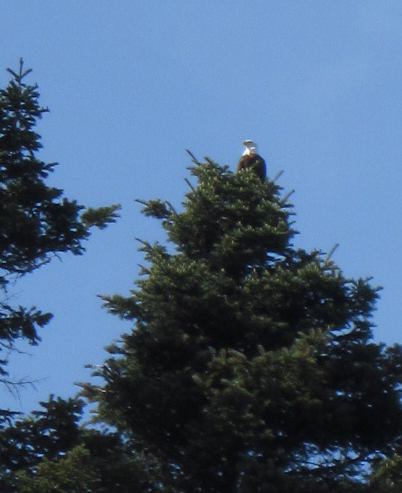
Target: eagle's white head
x=251, y=148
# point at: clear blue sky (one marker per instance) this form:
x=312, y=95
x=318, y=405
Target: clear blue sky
x=132, y=84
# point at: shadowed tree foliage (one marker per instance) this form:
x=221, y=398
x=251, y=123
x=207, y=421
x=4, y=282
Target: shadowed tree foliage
x=36, y=221
x=50, y=451
x=250, y=366
x=48, y=433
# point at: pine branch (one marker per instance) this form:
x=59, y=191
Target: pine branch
x=331, y=252
x=285, y=198
x=193, y=158
x=277, y=176
x=189, y=184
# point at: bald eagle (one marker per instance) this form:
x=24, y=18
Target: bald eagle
x=251, y=160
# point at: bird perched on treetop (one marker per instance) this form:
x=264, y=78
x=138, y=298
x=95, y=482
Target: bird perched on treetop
x=251, y=160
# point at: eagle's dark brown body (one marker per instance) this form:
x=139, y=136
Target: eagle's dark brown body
x=254, y=162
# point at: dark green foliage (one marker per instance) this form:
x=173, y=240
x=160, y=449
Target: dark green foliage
x=36, y=221
x=72, y=474
x=49, y=451
x=45, y=434
x=251, y=366
x=96, y=217
x=388, y=476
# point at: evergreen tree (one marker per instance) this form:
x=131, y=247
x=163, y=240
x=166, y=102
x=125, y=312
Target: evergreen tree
x=251, y=365
x=36, y=221
x=48, y=433
x=51, y=451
